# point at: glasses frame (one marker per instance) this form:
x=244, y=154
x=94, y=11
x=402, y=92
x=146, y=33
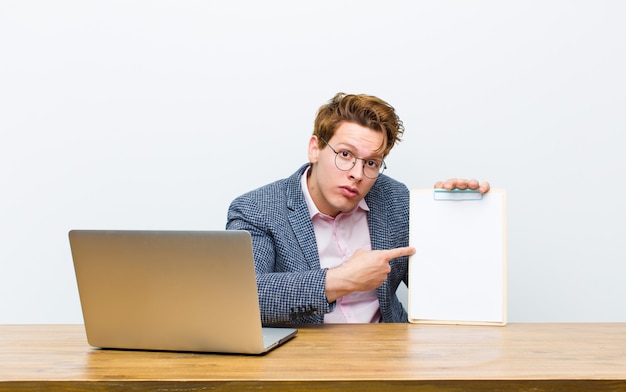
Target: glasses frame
x=383, y=165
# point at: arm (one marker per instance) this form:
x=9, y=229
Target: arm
x=290, y=288
x=364, y=271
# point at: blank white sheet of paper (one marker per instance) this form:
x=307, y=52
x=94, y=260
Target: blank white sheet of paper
x=458, y=273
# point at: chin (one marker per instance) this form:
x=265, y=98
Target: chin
x=346, y=207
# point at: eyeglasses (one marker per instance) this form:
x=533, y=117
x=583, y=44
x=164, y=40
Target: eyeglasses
x=345, y=160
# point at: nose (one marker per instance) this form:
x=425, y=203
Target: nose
x=357, y=170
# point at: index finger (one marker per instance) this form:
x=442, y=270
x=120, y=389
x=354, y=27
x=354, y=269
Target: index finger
x=399, y=252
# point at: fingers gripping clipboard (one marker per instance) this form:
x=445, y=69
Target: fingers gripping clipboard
x=458, y=273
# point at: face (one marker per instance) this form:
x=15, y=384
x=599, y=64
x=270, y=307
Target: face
x=333, y=190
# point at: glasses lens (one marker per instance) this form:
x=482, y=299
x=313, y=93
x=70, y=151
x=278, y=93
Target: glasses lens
x=344, y=160
x=372, y=169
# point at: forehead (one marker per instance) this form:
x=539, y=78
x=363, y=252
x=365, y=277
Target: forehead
x=357, y=138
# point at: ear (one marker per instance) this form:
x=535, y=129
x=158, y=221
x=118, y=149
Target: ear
x=314, y=149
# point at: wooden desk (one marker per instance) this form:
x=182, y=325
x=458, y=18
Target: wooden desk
x=521, y=357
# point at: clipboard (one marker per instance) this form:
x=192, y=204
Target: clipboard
x=458, y=274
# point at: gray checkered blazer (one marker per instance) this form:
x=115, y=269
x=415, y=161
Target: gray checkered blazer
x=289, y=278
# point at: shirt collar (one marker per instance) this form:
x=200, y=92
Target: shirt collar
x=313, y=210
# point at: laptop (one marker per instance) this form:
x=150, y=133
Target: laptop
x=171, y=291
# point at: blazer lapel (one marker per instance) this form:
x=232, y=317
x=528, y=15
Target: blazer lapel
x=376, y=217
x=300, y=220
x=380, y=239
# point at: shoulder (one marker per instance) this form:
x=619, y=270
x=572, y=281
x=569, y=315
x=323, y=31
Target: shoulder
x=388, y=182
x=276, y=195
x=388, y=199
x=387, y=188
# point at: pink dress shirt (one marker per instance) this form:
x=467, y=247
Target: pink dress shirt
x=337, y=239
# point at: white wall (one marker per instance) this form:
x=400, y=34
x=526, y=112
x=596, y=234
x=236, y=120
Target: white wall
x=156, y=114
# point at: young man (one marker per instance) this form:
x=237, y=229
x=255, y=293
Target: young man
x=330, y=242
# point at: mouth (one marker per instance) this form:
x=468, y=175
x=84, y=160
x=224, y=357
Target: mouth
x=349, y=191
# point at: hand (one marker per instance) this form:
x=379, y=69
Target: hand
x=460, y=183
x=364, y=271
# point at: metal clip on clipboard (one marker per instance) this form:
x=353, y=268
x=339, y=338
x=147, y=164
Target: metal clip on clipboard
x=457, y=194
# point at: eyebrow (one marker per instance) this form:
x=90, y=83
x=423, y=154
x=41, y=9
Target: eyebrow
x=352, y=148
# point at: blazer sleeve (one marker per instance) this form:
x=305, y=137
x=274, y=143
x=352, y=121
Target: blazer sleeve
x=290, y=290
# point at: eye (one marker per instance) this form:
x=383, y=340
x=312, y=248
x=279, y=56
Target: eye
x=345, y=154
x=373, y=164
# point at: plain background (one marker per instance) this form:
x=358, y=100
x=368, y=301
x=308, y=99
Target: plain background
x=156, y=114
